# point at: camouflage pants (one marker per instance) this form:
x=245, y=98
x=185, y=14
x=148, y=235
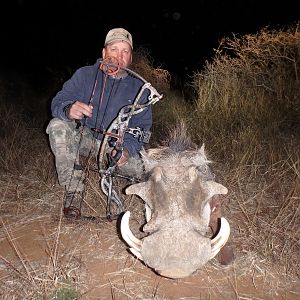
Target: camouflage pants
x=68, y=144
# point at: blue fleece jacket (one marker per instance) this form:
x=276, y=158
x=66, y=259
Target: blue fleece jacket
x=110, y=95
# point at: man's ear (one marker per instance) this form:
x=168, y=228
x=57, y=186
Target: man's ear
x=103, y=53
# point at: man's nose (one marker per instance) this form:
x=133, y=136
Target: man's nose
x=119, y=56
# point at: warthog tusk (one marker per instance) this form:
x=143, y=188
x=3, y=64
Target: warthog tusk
x=137, y=253
x=127, y=234
x=220, y=240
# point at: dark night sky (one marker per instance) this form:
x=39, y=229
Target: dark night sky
x=36, y=35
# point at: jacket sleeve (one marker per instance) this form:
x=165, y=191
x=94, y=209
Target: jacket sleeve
x=72, y=90
x=143, y=120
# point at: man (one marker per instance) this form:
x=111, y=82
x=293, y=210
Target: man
x=85, y=107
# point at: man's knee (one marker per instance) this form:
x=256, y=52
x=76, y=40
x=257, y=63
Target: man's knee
x=60, y=135
x=57, y=126
x=59, y=131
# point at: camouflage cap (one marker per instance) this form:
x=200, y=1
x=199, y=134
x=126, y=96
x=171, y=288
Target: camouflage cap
x=120, y=34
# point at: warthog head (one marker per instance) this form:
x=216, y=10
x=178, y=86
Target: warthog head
x=176, y=193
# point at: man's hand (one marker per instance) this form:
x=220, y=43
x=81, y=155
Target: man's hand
x=123, y=159
x=78, y=110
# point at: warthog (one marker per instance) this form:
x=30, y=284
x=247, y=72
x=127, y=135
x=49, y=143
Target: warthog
x=184, y=224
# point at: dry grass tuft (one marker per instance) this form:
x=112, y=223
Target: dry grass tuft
x=143, y=65
x=248, y=109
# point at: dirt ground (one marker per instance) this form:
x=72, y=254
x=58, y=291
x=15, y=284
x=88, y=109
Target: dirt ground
x=42, y=255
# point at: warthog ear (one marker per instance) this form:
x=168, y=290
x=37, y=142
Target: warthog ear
x=200, y=156
x=214, y=188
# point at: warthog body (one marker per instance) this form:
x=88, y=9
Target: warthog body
x=178, y=192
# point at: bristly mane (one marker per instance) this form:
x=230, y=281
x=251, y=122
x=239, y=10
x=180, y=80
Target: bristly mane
x=178, y=139
x=178, y=144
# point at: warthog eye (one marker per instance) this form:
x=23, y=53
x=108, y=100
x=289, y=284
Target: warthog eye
x=206, y=172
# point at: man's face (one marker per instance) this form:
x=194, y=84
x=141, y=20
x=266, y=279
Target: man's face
x=121, y=51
